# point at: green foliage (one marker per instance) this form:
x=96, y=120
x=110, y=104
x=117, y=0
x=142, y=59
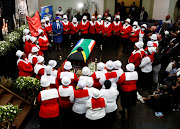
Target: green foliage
x=8, y=112
x=12, y=40
x=28, y=83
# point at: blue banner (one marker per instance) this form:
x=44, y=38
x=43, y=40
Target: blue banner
x=47, y=11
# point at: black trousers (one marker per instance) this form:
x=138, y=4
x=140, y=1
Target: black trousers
x=92, y=36
x=84, y=36
x=145, y=80
x=49, y=123
x=125, y=43
x=116, y=42
x=45, y=52
x=74, y=38
x=107, y=43
x=99, y=38
x=66, y=116
x=66, y=41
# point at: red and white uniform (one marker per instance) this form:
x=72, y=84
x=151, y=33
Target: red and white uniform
x=127, y=30
x=85, y=26
x=43, y=42
x=96, y=108
x=135, y=58
x=71, y=75
x=49, y=107
x=112, y=76
x=25, y=67
x=116, y=27
x=48, y=27
x=40, y=53
x=142, y=53
x=74, y=28
x=92, y=29
x=79, y=98
x=66, y=26
x=128, y=81
x=135, y=34
x=141, y=35
x=27, y=47
x=39, y=70
x=33, y=59
x=146, y=63
x=65, y=92
x=96, y=77
x=99, y=26
x=53, y=81
x=107, y=29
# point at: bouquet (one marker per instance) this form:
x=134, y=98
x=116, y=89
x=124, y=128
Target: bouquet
x=92, y=66
x=4, y=47
x=28, y=83
x=22, y=28
x=8, y=112
x=14, y=37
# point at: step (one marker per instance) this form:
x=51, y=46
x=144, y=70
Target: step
x=5, y=99
x=2, y=91
x=17, y=102
x=22, y=115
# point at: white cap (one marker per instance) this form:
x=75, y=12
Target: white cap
x=40, y=31
x=166, y=32
x=109, y=65
x=74, y=19
x=84, y=17
x=153, y=37
x=144, y=25
x=99, y=16
x=66, y=81
x=118, y=16
x=27, y=37
x=100, y=66
x=93, y=17
x=135, y=23
x=108, y=18
x=26, y=31
x=57, y=12
x=130, y=67
x=67, y=65
x=44, y=82
x=40, y=59
x=117, y=64
x=150, y=44
x=151, y=49
x=139, y=44
x=33, y=39
x=128, y=20
x=52, y=63
x=48, y=69
x=34, y=49
x=46, y=18
x=19, y=53
x=96, y=93
x=81, y=84
x=90, y=82
x=86, y=71
x=65, y=16
x=42, y=20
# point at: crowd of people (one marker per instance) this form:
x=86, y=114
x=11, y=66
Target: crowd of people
x=92, y=99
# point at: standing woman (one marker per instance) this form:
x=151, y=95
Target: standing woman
x=74, y=30
x=49, y=107
x=57, y=33
x=92, y=30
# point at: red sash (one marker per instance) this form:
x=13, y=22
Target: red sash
x=97, y=103
x=110, y=75
x=81, y=93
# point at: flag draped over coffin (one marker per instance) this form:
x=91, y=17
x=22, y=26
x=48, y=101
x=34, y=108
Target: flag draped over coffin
x=86, y=46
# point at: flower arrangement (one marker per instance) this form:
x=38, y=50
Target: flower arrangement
x=14, y=37
x=20, y=30
x=8, y=112
x=92, y=66
x=28, y=83
x=4, y=47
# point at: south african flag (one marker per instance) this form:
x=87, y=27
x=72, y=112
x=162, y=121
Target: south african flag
x=82, y=50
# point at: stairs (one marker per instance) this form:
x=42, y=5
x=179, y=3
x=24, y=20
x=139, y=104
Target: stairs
x=7, y=97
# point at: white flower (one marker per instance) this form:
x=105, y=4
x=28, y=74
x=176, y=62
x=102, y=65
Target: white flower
x=15, y=111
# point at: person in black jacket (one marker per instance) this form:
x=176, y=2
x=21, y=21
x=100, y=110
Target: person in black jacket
x=86, y=14
x=143, y=15
x=78, y=16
